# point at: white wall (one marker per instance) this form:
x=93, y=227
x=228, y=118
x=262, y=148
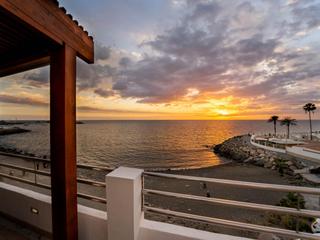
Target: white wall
x=92, y=224
x=279, y=150
x=17, y=203
x=151, y=230
x=313, y=156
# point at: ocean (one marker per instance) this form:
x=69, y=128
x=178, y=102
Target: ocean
x=146, y=144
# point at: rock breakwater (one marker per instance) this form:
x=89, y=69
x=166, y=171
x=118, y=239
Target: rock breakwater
x=240, y=150
x=12, y=130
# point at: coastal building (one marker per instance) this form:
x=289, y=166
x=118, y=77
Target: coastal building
x=299, y=147
x=51, y=36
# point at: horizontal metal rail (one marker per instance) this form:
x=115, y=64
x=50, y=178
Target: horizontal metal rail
x=92, y=198
x=43, y=160
x=44, y=173
x=23, y=180
x=233, y=224
x=81, y=195
x=94, y=167
x=239, y=204
x=91, y=182
x=242, y=184
x=48, y=174
x=306, y=149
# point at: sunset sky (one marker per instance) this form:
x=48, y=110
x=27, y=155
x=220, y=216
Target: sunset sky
x=186, y=59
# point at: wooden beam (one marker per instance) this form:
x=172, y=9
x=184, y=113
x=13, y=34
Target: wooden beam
x=63, y=143
x=24, y=64
x=48, y=19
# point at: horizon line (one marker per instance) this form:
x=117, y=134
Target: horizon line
x=155, y=120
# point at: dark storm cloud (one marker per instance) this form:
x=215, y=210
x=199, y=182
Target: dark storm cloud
x=186, y=60
x=253, y=50
x=104, y=110
x=91, y=76
x=304, y=17
x=104, y=92
x=142, y=80
x=22, y=100
x=214, y=46
x=125, y=62
x=90, y=109
x=190, y=57
x=276, y=85
x=36, y=79
x=206, y=44
x=102, y=52
x=308, y=17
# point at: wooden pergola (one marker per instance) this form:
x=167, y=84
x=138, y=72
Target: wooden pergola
x=35, y=33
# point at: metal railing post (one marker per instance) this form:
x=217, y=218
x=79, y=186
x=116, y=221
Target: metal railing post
x=298, y=209
x=35, y=171
x=142, y=194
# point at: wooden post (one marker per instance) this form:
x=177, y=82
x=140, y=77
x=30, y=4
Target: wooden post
x=63, y=143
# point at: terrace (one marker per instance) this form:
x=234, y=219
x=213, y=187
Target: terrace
x=297, y=147
x=49, y=195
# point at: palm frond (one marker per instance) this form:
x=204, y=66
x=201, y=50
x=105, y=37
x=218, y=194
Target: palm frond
x=273, y=119
x=309, y=107
x=288, y=121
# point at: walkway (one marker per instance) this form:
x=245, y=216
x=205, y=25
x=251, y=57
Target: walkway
x=312, y=145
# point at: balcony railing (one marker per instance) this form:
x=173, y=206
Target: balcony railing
x=239, y=204
x=35, y=170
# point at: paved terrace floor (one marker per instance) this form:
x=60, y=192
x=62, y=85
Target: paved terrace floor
x=10, y=230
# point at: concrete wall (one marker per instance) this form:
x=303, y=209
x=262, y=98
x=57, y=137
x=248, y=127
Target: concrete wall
x=303, y=153
x=279, y=150
x=151, y=230
x=19, y=203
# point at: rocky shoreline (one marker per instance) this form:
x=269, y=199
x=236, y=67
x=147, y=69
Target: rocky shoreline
x=240, y=150
x=12, y=130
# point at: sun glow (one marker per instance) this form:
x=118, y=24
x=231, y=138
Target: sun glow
x=192, y=92
x=223, y=112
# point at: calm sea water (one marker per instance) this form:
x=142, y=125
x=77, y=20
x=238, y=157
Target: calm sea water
x=146, y=144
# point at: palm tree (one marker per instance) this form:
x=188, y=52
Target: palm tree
x=310, y=108
x=288, y=121
x=274, y=119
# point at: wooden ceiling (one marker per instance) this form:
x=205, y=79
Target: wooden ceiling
x=31, y=30
x=20, y=44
